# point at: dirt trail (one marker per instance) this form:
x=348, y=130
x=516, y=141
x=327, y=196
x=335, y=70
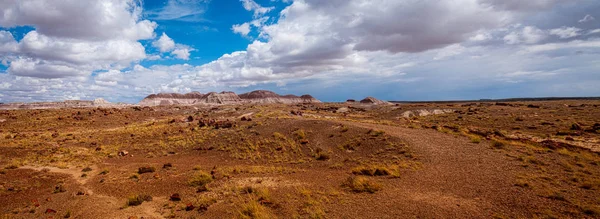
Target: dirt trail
x=458, y=178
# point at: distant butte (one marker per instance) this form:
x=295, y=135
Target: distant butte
x=225, y=97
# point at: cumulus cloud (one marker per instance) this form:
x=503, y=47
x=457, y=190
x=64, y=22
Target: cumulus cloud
x=43, y=69
x=72, y=38
x=325, y=45
x=242, y=29
x=182, y=53
x=164, y=43
x=8, y=44
x=93, y=20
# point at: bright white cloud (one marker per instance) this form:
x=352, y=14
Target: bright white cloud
x=164, y=43
x=242, y=29
x=182, y=53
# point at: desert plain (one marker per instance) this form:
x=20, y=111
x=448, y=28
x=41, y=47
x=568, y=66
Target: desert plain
x=517, y=159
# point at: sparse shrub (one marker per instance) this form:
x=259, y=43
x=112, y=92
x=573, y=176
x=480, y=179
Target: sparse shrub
x=200, y=179
x=475, y=139
x=278, y=135
x=253, y=209
x=143, y=170
x=361, y=184
x=375, y=133
x=372, y=171
x=300, y=134
x=138, y=200
x=135, y=176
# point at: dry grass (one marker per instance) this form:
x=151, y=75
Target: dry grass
x=361, y=184
x=200, y=179
x=136, y=200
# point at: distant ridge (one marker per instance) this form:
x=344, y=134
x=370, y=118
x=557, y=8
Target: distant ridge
x=501, y=100
x=225, y=97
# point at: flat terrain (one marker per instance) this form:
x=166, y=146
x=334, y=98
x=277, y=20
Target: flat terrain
x=336, y=160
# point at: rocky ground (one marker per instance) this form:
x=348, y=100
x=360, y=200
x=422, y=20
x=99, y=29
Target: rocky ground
x=317, y=160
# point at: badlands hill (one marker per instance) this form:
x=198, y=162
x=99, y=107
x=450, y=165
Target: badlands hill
x=225, y=97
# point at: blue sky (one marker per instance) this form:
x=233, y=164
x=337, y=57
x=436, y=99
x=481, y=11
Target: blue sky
x=124, y=50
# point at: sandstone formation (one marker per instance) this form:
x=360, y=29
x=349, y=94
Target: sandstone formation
x=426, y=112
x=373, y=100
x=264, y=96
x=225, y=97
x=171, y=98
x=64, y=104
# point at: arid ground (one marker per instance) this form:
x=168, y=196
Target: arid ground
x=344, y=160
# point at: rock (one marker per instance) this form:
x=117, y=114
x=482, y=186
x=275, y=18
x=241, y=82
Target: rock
x=143, y=170
x=351, y=101
x=575, y=126
x=175, y=197
x=167, y=166
x=80, y=193
x=123, y=153
x=268, y=97
x=100, y=102
x=569, y=138
x=189, y=207
x=373, y=100
x=343, y=110
x=425, y=112
x=50, y=211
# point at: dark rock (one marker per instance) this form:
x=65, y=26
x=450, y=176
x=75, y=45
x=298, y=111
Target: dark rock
x=50, y=211
x=175, y=197
x=189, y=207
x=143, y=170
x=167, y=166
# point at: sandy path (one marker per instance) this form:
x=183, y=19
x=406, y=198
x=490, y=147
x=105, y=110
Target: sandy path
x=458, y=179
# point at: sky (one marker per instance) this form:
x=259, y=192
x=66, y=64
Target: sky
x=124, y=50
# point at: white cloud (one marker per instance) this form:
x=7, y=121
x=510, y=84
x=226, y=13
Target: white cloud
x=8, y=44
x=527, y=35
x=587, y=18
x=43, y=69
x=164, y=43
x=242, y=29
x=182, y=53
x=566, y=32
x=73, y=37
x=251, y=5
x=93, y=20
